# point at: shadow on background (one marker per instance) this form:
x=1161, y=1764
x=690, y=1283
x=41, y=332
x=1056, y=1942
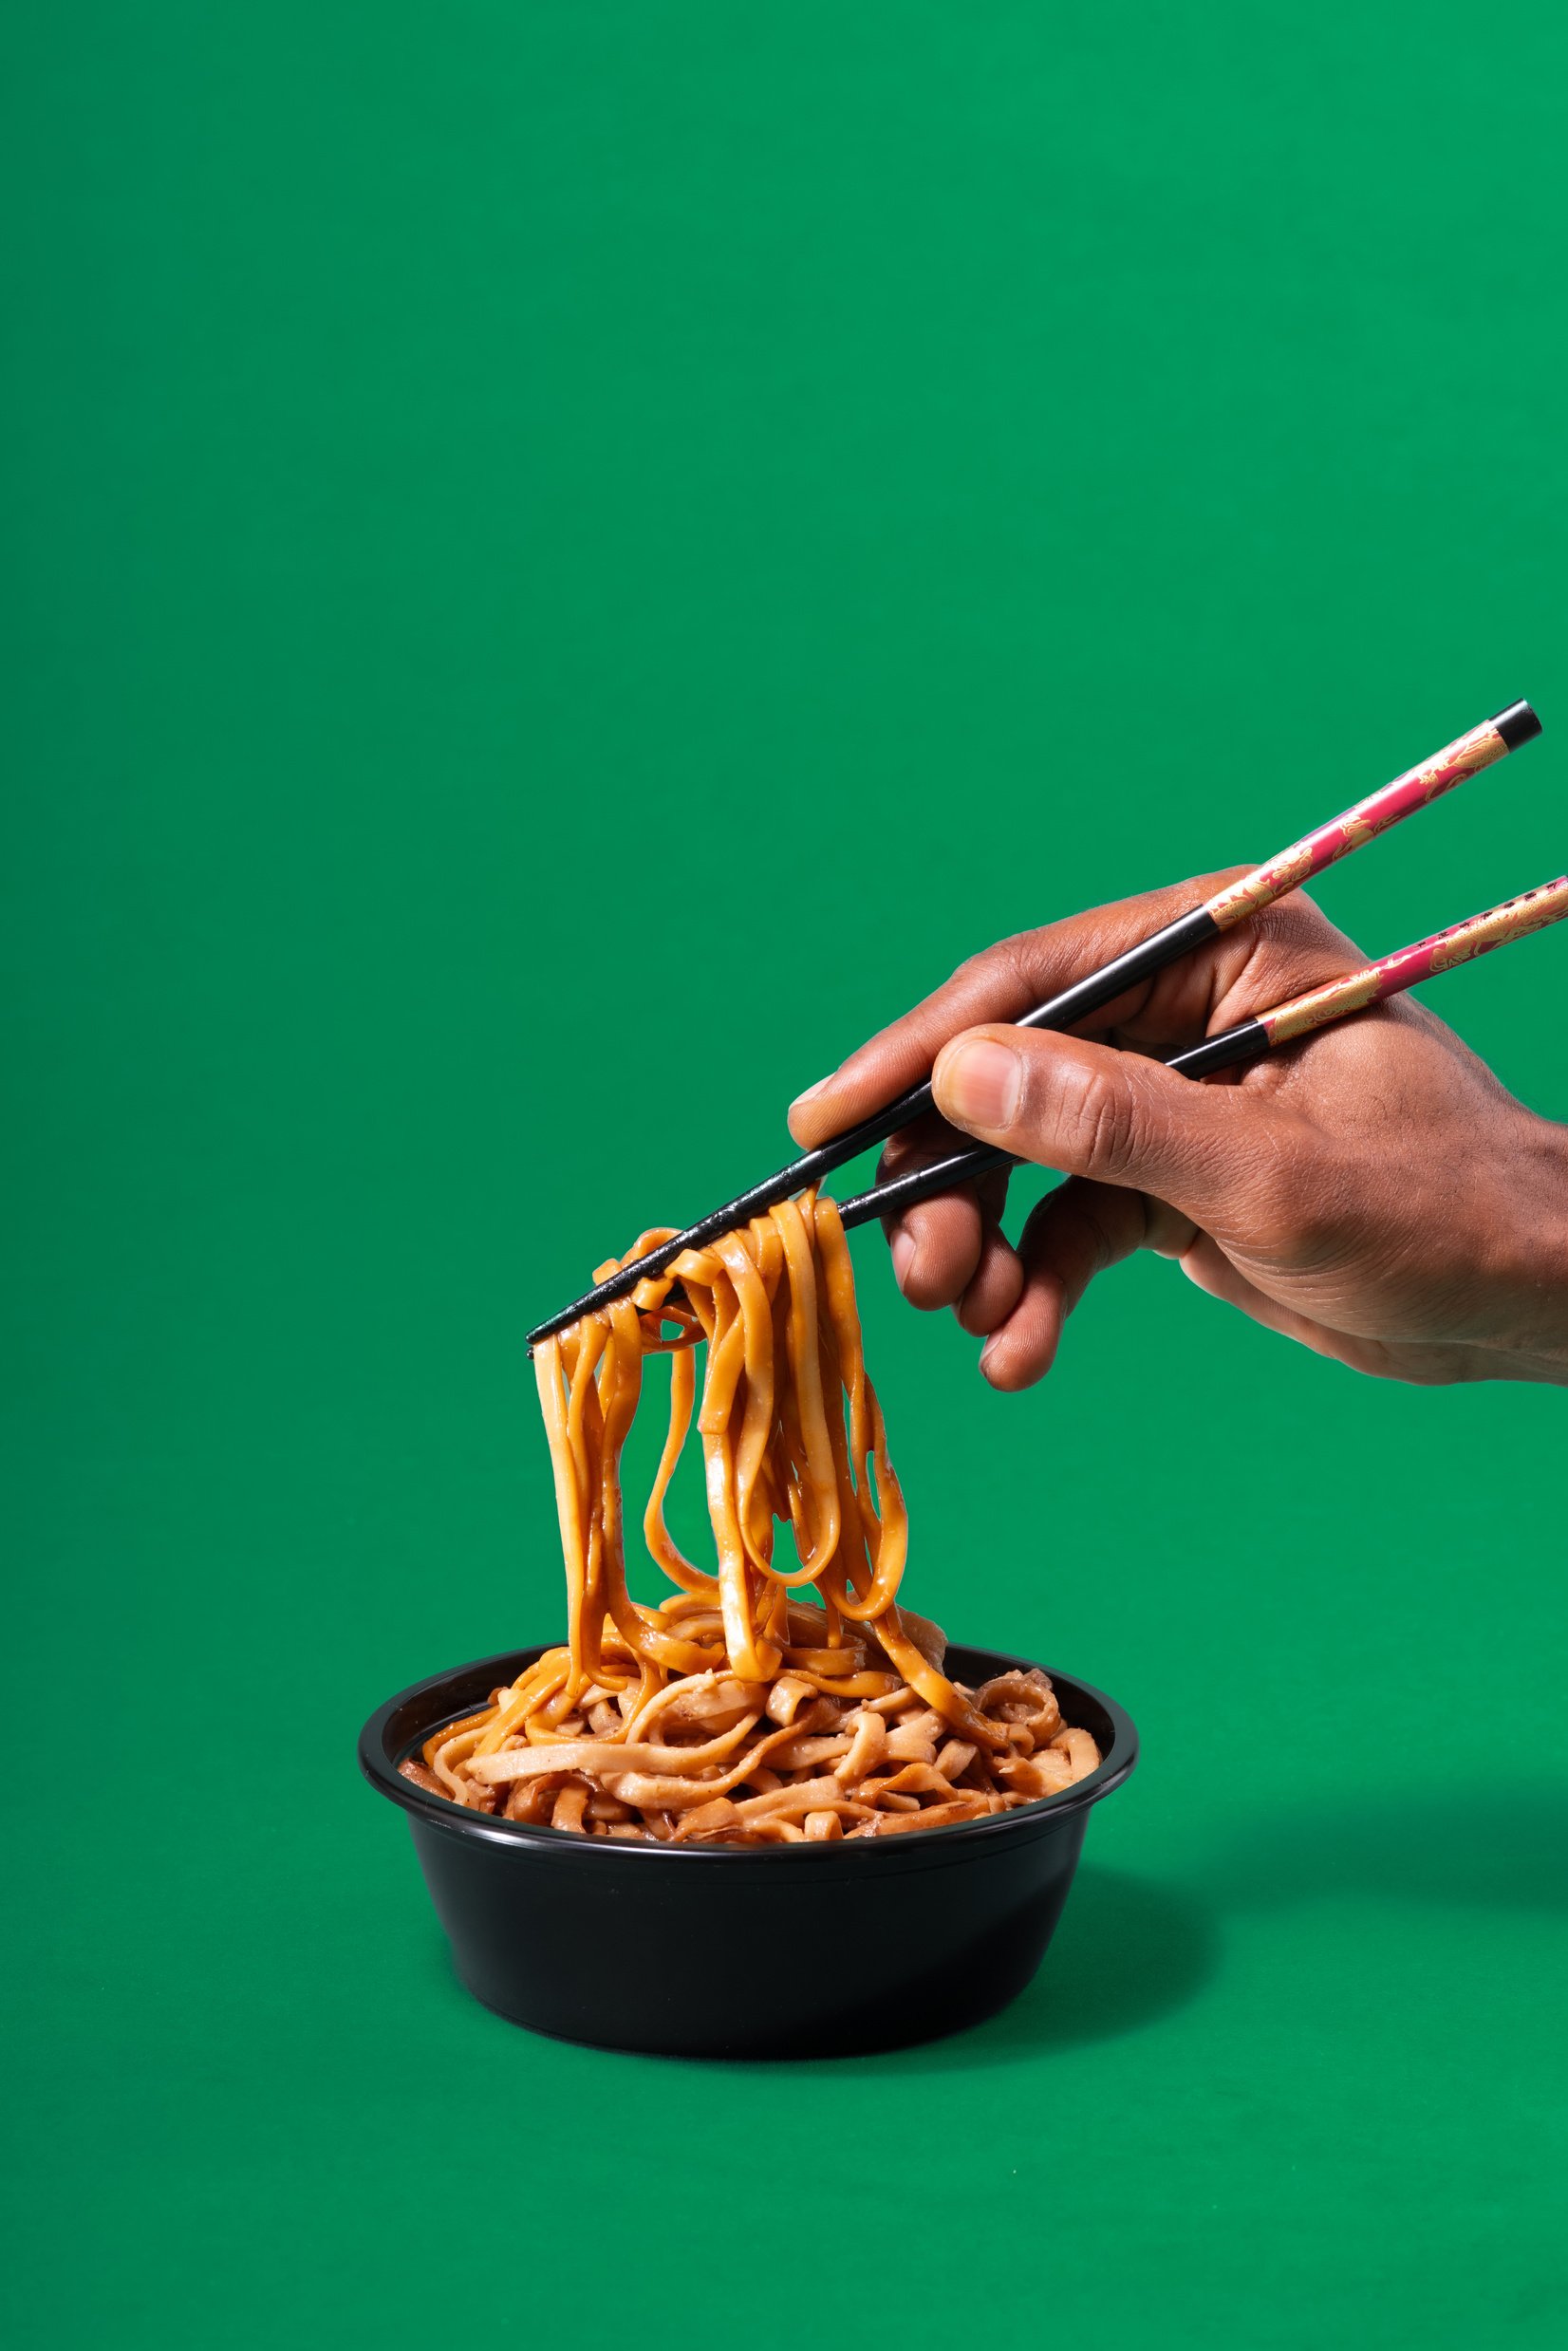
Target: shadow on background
x=1470, y=1847
x=1130, y=1952
x=1127, y=1953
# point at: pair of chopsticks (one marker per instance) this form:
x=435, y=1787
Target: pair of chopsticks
x=1275, y=879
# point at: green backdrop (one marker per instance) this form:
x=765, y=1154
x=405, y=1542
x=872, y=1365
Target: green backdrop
x=481, y=485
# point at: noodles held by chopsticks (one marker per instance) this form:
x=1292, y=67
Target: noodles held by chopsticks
x=739, y=1711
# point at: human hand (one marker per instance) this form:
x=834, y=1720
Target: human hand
x=1373, y=1191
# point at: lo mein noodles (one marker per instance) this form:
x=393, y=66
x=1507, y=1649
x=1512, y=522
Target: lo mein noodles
x=766, y=1700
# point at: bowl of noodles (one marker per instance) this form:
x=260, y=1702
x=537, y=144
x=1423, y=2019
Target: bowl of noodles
x=774, y=1814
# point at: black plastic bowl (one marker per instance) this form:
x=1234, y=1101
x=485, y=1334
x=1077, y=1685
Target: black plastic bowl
x=736, y=1951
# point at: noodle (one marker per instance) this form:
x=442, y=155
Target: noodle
x=739, y=1711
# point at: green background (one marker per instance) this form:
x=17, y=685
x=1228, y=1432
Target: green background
x=487, y=490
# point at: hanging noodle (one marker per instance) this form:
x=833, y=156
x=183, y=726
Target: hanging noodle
x=739, y=1711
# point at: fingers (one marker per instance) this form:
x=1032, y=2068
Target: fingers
x=1074, y=1233
x=1290, y=947
x=1081, y=1229
x=997, y=1285
x=943, y=1249
x=1007, y=981
x=1113, y=1116
x=936, y=1249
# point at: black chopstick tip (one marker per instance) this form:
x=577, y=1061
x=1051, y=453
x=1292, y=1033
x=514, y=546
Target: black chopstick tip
x=561, y=1322
x=1517, y=725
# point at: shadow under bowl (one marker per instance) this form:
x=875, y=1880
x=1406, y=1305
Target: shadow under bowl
x=735, y=1950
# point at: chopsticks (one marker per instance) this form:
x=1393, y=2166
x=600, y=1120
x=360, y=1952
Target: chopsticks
x=1416, y=789
x=1249, y=1040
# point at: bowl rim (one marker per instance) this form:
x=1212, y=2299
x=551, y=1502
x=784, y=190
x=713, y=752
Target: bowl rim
x=380, y=1765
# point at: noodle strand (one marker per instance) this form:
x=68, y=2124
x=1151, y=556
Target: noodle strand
x=740, y=1711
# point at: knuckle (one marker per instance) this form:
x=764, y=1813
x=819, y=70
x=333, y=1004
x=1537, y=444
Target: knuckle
x=901, y=1152
x=1097, y=1123
x=1020, y=956
x=1295, y=937
x=930, y=1285
x=1005, y=960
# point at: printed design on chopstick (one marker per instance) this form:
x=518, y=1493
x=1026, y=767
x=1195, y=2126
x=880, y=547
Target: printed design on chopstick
x=1477, y=935
x=1536, y=911
x=1358, y=825
x=1329, y=1002
x=1406, y=795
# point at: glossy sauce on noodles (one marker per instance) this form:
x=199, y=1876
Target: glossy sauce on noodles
x=780, y=1693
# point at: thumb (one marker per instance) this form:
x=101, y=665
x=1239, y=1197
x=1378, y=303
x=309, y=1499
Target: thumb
x=1090, y=1110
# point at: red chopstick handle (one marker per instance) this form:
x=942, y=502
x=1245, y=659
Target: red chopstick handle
x=1480, y=747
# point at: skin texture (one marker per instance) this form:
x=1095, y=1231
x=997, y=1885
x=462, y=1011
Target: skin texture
x=1371, y=1192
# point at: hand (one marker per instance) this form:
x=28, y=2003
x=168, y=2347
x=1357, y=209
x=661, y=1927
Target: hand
x=1372, y=1191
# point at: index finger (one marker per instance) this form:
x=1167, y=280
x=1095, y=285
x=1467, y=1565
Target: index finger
x=1002, y=984
x=1286, y=947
